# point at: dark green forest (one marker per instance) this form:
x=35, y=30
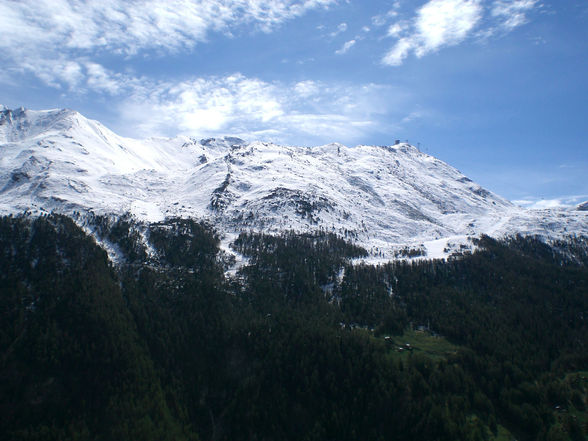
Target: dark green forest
x=300, y=344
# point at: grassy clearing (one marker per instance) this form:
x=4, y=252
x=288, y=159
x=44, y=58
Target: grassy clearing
x=422, y=342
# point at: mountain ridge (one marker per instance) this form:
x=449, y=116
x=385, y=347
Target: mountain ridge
x=385, y=198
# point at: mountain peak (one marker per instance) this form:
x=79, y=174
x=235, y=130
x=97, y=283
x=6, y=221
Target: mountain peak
x=226, y=142
x=20, y=124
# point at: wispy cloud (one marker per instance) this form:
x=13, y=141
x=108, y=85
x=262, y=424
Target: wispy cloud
x=345, y=48
x=396, y=29
x=340, y=29
x=443, y=23
x=78, y=75
x=133, y=26
x=35, y=32
x=399, y=52
x=382, y=19
x=512, y=13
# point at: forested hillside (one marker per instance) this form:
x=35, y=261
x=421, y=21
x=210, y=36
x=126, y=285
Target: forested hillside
x=300, y=345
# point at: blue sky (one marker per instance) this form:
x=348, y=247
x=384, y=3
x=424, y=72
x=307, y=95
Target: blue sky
x=496, y=88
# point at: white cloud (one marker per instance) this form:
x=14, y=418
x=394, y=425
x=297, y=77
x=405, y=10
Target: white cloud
x=396, y=29
x=345, y=48
x=307, y=112
x=399, y=52
x=512, y=13
x=36, y=32
x=443, y=23
x=438, y=23
x=199, y=105
x=340, y=29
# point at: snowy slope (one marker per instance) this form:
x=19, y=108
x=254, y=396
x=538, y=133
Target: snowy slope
x=385, y=198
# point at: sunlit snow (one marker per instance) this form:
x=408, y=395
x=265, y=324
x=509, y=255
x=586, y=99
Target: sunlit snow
x=385, y=198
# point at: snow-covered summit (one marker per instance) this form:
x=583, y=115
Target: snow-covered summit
x=384, y=197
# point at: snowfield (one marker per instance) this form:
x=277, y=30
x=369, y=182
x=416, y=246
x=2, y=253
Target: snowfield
x=384, y=198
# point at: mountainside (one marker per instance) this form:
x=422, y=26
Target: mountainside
x=297, y=335
x=386, y=198
x=302, y=345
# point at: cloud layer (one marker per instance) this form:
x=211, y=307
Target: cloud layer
x=131, y=26
x=302, y=112
x=56, y=39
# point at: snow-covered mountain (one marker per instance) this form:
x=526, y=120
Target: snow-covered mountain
x=385, y=198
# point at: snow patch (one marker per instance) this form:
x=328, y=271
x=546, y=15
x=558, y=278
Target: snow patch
x=146, y=211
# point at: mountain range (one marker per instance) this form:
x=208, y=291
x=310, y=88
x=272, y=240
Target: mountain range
x=392, y=200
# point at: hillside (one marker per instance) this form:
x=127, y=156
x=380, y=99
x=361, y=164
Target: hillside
x=384, y=198
x=301, y=345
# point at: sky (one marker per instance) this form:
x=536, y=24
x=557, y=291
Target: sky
x=496, y=88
